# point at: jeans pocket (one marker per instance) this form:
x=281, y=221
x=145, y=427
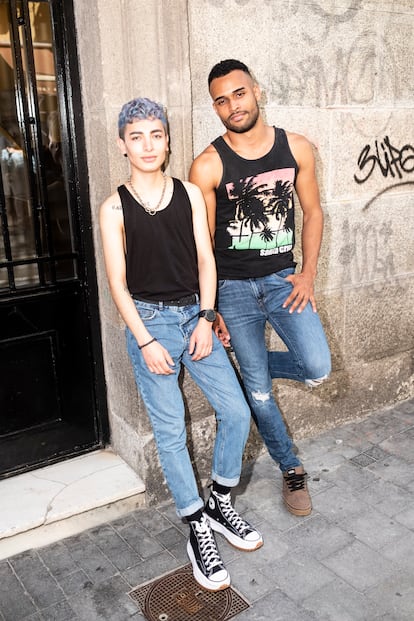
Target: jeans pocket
x=283, y=274
x=221, y=284
x=146, y=314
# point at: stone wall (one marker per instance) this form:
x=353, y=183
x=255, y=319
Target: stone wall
x=342, y=74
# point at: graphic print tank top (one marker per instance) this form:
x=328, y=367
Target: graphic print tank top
x=161, y=256
x=255, y=211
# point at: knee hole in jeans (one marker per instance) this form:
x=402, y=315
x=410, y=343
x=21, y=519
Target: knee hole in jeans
x=314, y=383
x=260, y=396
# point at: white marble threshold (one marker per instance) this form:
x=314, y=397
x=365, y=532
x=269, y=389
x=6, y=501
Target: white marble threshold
x=48, y=504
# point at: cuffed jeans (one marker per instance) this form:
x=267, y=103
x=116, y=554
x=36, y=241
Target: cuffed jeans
x=172, y=326
x=246, y=305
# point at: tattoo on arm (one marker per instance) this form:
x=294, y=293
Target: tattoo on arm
x=117, y=207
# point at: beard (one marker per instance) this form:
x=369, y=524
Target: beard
x=247, y=126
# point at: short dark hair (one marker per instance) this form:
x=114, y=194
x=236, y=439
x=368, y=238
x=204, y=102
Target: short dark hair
x=227, y=66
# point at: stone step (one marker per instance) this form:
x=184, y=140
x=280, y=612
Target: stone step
x=54, y=502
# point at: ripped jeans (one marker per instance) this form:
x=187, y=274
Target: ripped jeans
x=246, y=305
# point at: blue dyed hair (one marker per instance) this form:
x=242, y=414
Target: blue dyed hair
x=140, y=109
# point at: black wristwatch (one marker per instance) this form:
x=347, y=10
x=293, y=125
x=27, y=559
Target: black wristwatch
x=209, y=314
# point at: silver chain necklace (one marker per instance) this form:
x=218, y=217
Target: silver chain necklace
x=150, y=210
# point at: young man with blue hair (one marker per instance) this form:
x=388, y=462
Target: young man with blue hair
x=162, y=276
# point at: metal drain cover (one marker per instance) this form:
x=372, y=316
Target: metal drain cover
x=177, y=597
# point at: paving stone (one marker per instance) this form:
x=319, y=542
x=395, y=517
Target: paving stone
x=401, y=553
x=351, y=477
x=274, y=546
x=276, y=606
x=168, y=511
x=299, y=575
x=405, y=407
x=36, y=579
x=59, y=612
x=179, y=553
x=340, y=443
x=115, y=548
x=387, y=498
x=359, y=565
x=153, y=520
x=90, y=558
x=317, y=537
x=377, y=453
x=324, y=462
x=375, y=529
x=407, y=517
x=74, y=582
x=262, y=468
x=374, y=430
x=395, y=470
x=150, y=568
x=264, y=492
x=340, y=602
x=249, y=579
x=106, y=601
x=279, y=518
x=14, y=600
x=57, y=559
x=170, y=537
x=336, y=503
x=395, y=596
x=140, y=540
x=401, y=445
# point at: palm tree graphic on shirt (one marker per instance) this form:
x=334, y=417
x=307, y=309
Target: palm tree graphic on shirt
x=263, y=204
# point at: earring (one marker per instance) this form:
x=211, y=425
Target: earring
x=125, y=154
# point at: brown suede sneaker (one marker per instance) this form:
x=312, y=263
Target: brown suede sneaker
x=295, y=491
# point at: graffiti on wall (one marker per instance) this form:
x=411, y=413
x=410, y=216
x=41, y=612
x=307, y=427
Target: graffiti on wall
x=367, y=254
x=389, y=160
x=345, y=76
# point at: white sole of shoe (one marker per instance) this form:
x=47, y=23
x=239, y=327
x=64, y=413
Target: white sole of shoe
x=202, y=580
x=236, y=542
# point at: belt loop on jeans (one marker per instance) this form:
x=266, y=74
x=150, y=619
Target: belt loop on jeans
x=187, y=300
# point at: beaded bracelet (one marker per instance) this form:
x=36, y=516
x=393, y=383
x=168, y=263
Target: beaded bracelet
x=145, y=344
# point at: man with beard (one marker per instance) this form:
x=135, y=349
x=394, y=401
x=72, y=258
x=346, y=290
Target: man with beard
x=248, y=176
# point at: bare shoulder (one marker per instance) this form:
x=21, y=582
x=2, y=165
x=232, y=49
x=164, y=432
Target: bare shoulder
x=112, y=203
x=207, y=166
x=193, y=191
x=301, y=147
x=111, y=210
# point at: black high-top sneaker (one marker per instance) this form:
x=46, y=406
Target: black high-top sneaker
x=208, y=568
x=225, y=520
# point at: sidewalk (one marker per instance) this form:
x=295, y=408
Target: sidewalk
x=352, y=559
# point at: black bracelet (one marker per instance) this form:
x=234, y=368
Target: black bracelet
x=145, y=344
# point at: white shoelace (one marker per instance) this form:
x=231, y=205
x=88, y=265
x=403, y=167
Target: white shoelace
x=231, y=515
x=207, y=545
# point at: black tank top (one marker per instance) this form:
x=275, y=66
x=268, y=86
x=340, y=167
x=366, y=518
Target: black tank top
x=161, y=257
x=255, y=220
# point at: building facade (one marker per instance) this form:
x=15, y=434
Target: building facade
x=338, y=72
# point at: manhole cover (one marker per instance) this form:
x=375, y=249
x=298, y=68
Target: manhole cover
x=177, y=597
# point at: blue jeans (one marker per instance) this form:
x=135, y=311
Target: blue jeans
x=246, y=306
x=173, y=326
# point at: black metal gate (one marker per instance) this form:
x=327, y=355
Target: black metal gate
x=52, y=397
